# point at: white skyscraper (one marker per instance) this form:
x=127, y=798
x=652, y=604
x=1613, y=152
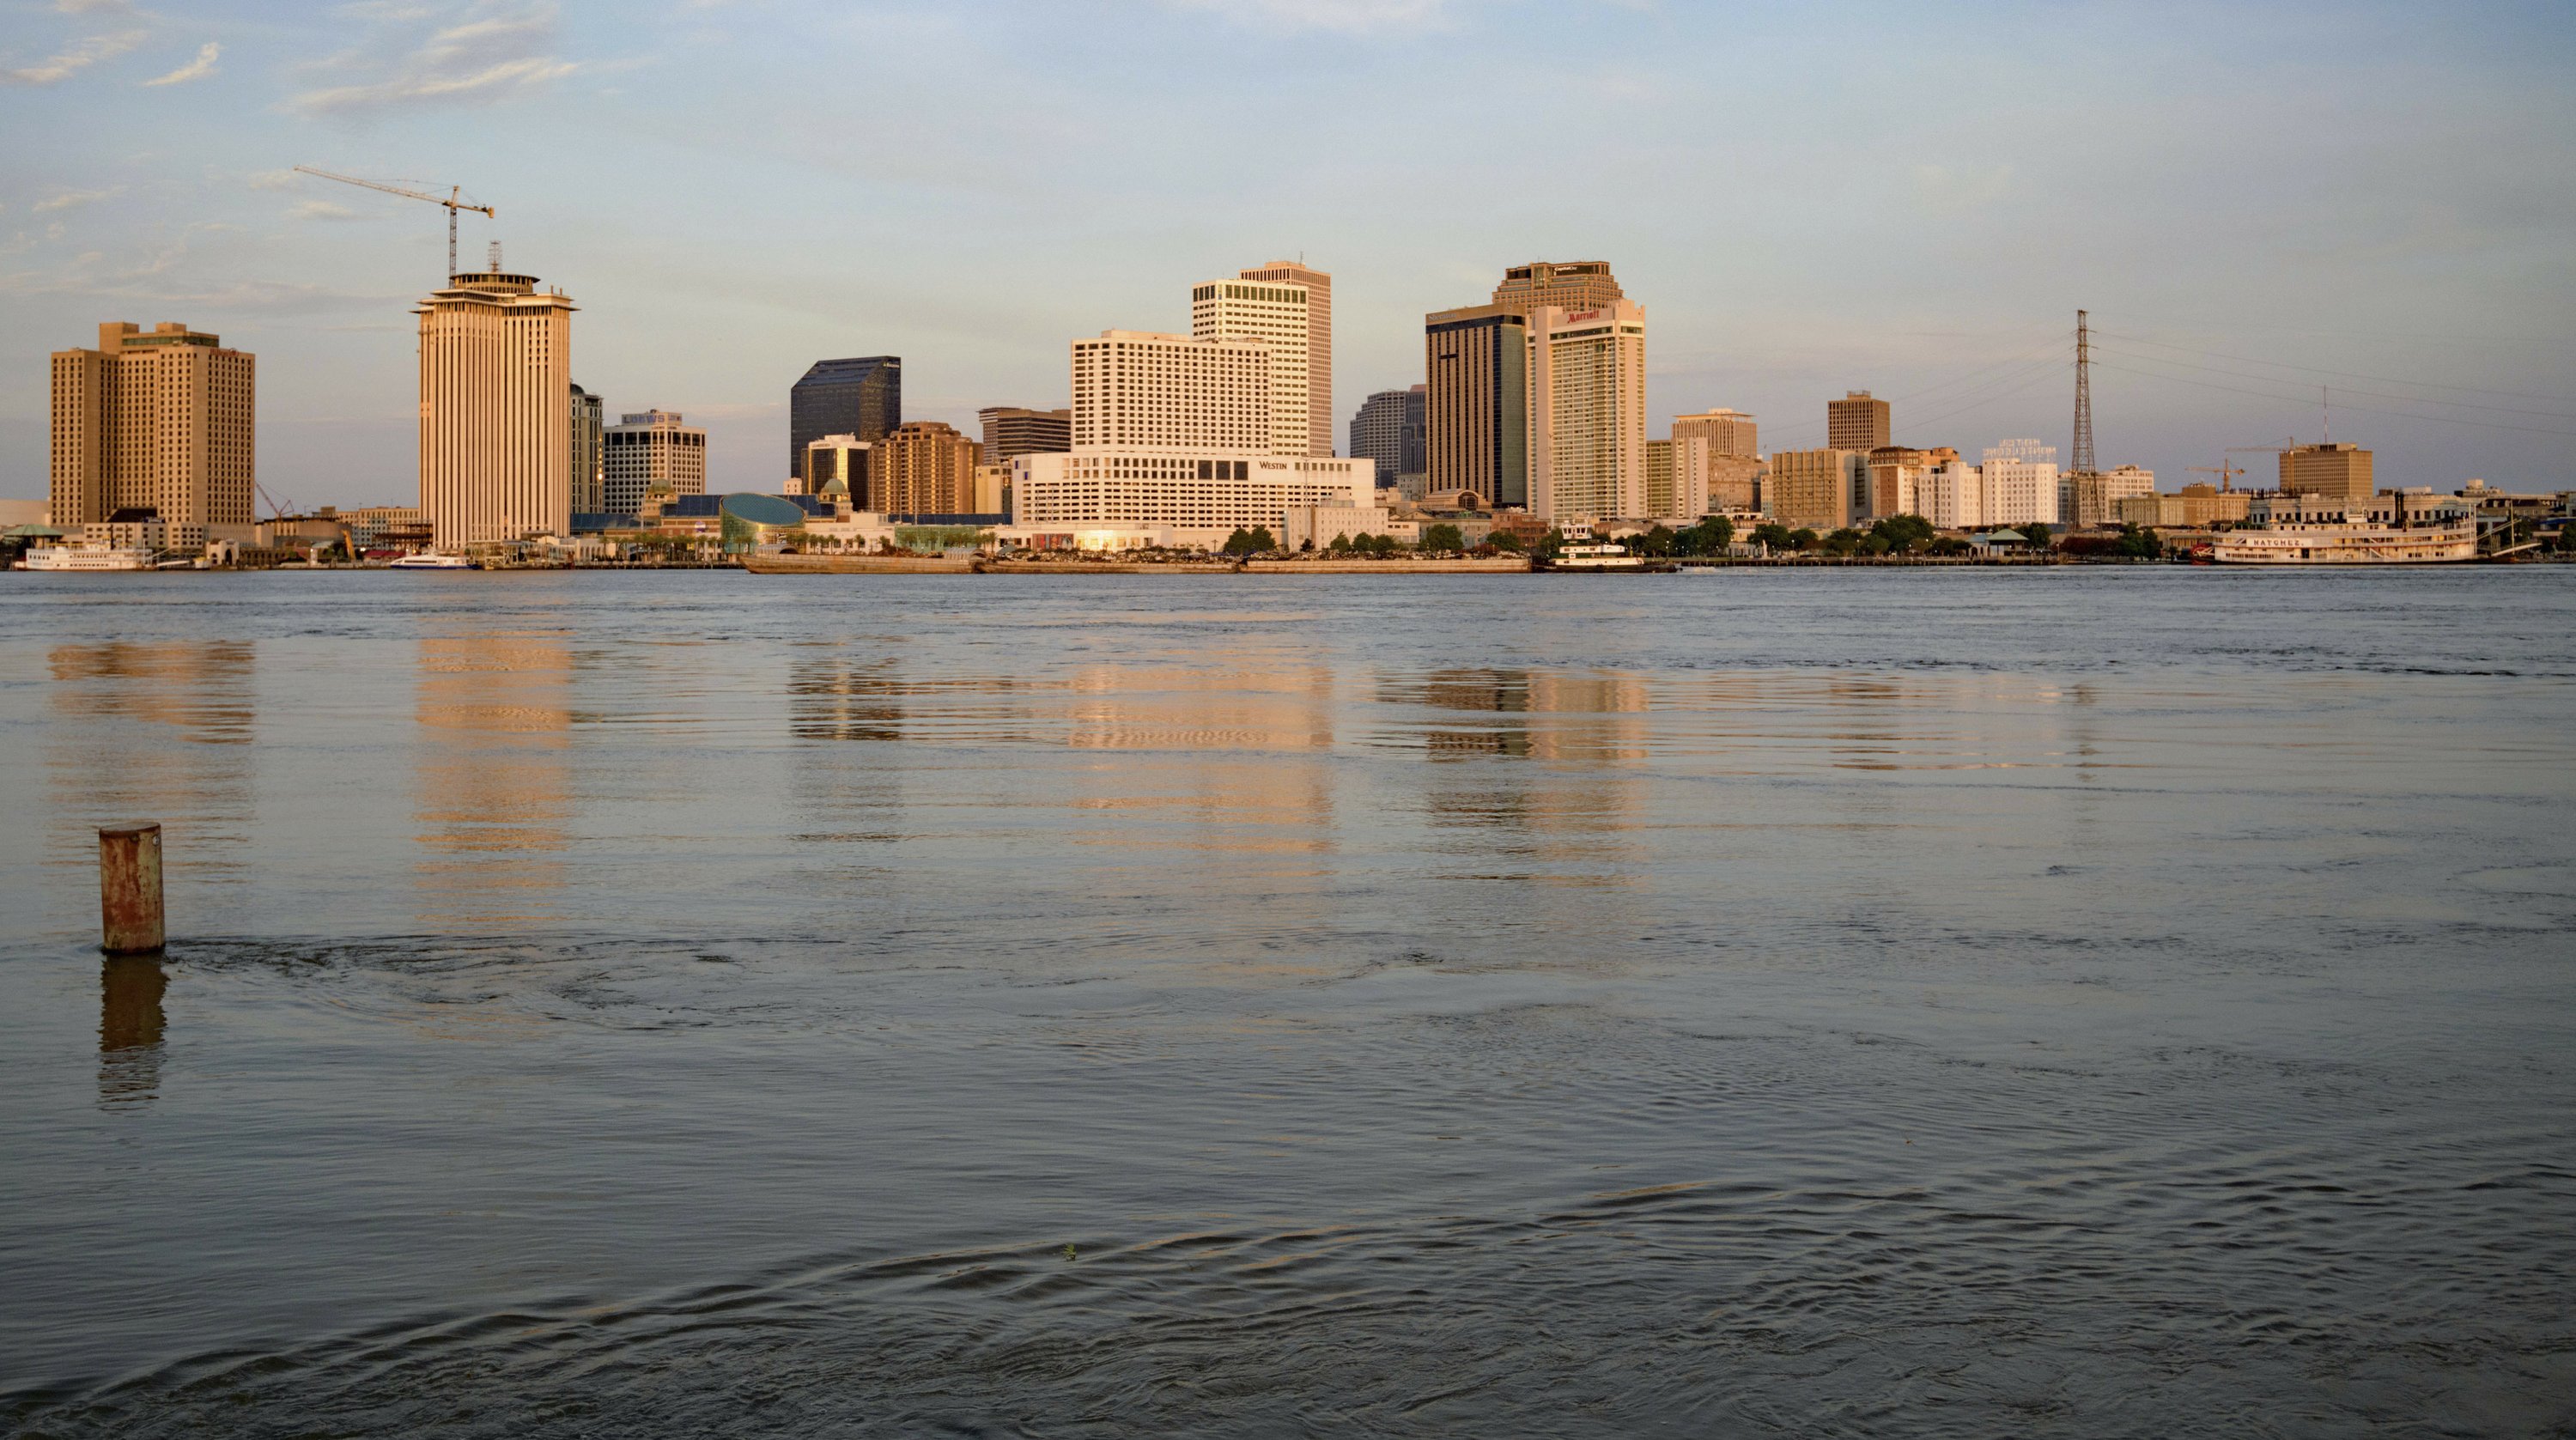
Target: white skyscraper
x=1134, y=388
x=2020, y=483
x=1587, y=411
x=1275, y=315
x=495, y=409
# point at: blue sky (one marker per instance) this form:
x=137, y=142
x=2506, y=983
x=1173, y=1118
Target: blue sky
x=2252, y=199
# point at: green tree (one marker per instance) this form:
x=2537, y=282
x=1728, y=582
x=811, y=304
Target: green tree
x=1775, y=536
x=2140, y=544
x=1507, y=541
x=1903, y=533
x=1442, y=537
x=1842, y=542
x=1549, y=546
x=2038, y=535
x=1240, y=542
x=1341, y=545
x=1710, y=536
x=1802, y=539
x=1263, y=542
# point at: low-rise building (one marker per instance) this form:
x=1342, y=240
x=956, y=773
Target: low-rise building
x=2195, y=506
x=1199, y=498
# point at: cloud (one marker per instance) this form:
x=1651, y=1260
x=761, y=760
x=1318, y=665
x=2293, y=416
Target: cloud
x=272, y=180
x=88, y=7
x=79, y=56
x=323, y=210
x=1346, y=16
x=476, y=62
x=73, y=199
x=197, y=69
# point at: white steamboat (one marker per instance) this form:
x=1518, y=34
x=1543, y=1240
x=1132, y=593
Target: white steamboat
x=2349, y=542
x=86, y=558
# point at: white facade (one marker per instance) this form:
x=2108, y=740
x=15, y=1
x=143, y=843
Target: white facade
x=1692, y=453
x=1951, y=496
x=1272, y=314
x=1587, y=411
x=2020, y=483
x=1137, y=389
x=1200, y=497
x=1317, y=526
x=495, y=410
x=649, y=449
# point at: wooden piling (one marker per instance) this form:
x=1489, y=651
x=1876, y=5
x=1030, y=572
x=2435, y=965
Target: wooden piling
x=129, y=890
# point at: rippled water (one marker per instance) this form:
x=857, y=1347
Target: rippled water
x=2111, y=1002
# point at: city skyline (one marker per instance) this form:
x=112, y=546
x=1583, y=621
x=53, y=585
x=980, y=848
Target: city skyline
x=2246, y=220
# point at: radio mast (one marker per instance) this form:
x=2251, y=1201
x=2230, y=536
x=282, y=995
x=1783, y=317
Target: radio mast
x=2081, y=462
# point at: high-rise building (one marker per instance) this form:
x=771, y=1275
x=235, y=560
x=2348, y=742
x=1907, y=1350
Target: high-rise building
x=1476, y=406
x=1568, y=285
x=1135, y=388
x=2020, y=479
x=495, y=409
x=161, y=421
x=1728, y=432
x=1587, y=411
x=861, y=396
x=1010, y=432
x=1952, y=495
x=1813, y=489
x=589, y=478
x=2085, y=501
x=1319, y=345
x=1856, y=422
x=1389, y=430
x=838, y=458
x=923, y=467
x=652, y=451
x=2339, y=471
x=1660, y=500
x=1272, y=314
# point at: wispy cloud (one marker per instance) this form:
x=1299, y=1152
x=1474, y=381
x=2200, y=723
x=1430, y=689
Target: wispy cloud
x=272, y=180
x=1346, y=16
x=73, y=199
x=197, y=69
x=322, y=210
x=475, y=62
x=75, y=57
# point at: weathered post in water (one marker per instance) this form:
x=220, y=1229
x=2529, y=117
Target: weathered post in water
x=129, y=890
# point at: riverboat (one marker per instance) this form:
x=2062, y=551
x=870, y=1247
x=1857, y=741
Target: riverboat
x=2348, y=542
x=86, y=558
x=1599, y=557
x=431, y=562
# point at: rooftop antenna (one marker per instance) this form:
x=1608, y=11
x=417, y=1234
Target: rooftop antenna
x=495, y=254
x=2327, y=404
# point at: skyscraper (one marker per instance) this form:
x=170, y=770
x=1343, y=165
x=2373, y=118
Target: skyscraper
x=1319, y=346
x=1568, y=285
x=1133, y=387
x=2340, y=471
x=862, y=397
x=1010, y=431
x=589, y=493
x=1587, y=411
x=1728, y=432
x=655, y=450
x=923, y=467
x=1813, y=489
x=1389, y=430
x=161, y=420
x=495, y=409
x=841, y=460
x=1856, y=422
x=1275, y=315
x=1476, y=406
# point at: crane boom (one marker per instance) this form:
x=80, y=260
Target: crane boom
x=454, y=200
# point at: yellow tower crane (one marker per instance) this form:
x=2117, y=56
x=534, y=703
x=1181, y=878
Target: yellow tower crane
x=454, y=200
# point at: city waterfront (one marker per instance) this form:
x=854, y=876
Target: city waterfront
x=1891, y=1001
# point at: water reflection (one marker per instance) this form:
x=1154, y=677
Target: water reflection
x=493, y=803
x=110, y=759
x=129, y=1028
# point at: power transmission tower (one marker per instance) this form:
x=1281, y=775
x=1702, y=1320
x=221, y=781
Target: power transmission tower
x=2082, y=459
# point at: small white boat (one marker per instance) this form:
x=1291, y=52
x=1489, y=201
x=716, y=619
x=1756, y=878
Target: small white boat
x=1597, y=557
x=85, y=558
x=431, y=562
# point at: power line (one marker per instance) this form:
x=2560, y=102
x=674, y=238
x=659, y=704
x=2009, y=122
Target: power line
x=2348, y=390
x=2348, y=374
x=2365, y=409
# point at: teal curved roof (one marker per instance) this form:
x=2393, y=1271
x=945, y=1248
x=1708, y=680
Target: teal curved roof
x=761, y=509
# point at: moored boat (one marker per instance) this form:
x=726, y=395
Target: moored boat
x=86, y=558
x=2348, y=542
x=431, y=562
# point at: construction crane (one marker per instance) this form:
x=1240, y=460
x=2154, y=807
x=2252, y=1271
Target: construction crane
x=2224, y=471
x=454, y=200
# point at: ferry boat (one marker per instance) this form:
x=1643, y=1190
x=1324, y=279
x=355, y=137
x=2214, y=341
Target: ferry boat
x=1596, y=557
x=2348, y=542
x=431, y=562
x=86, y=558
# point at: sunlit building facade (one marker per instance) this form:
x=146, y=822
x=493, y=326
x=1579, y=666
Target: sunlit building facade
x=495, y=410
x=160, y=420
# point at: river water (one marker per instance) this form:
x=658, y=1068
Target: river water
x=1905, y=1003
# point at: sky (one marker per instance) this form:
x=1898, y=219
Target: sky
x=2253, y=201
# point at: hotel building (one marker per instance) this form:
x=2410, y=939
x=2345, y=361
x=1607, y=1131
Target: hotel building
x=923, y=467
x=1587, y=412
x=1010, y=431
x=841, y=459
x=653, y=451
x=1566, y=284
x=2335, y=472
x=1815, y=489
x=1319, y=345
x=495, y=409
x=1180, y=497
x=1728, y=432
x=1171, y=392
x=1476, y=406
x=1272, y=314
x=2020, y=481
x=160, y=420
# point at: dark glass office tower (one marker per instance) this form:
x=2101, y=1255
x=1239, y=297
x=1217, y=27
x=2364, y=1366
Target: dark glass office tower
x=861, y=397
x=1390, y=430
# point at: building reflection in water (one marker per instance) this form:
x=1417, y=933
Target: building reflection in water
x=124, y=703
x=492, y=805
x=129, y=1028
